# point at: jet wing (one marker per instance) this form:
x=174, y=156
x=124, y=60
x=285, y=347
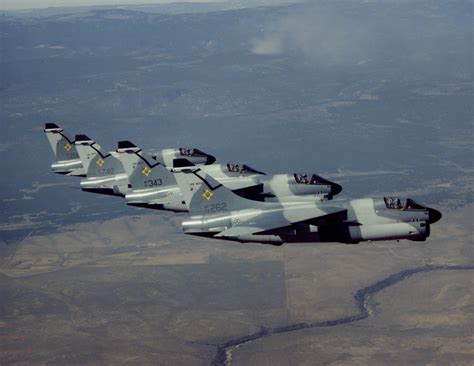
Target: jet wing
x=277, y=219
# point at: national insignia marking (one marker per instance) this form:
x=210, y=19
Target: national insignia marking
x=146, y=171
x=100, y=162
x=207, y=194
x=67, y=147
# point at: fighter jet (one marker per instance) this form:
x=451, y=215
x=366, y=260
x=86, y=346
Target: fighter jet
x=274, y=188
x=217, y=212
x=154, y=186
x=67, y=159
x=106, y=172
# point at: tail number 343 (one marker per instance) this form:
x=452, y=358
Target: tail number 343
x=150, y=183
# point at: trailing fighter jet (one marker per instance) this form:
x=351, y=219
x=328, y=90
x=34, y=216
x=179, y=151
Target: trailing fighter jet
x=106, y=172
x=67, y=160
x=154, y=186
x=219, y=213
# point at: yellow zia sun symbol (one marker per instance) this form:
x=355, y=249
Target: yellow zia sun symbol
x=67, y=147
x=146, y=171
x=100, y=162
x=207, y=194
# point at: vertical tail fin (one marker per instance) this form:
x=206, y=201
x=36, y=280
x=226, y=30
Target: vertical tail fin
x=67, y=159
x=127, y=154
x=61, y=144
x=88, y=150
x=96, y=162
x=144, y=170
x=204, y=195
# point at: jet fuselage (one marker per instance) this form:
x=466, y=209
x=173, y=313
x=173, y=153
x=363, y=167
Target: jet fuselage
x=358, y=220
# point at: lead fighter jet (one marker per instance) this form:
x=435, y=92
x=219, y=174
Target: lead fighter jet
x=219, y=213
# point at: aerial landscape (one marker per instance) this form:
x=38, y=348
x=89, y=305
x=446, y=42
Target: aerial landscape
x=376, y=96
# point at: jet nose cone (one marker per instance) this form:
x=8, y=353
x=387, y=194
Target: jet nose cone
x=434, y=215
x=210, y=159
x=335, y=189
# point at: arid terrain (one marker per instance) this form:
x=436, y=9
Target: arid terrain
x=134, y=289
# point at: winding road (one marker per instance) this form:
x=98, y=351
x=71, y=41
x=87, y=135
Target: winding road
x=363, y=304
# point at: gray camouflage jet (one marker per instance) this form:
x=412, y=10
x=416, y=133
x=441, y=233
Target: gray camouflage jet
x=154, y=186
x=67, y=159
x=219, y=213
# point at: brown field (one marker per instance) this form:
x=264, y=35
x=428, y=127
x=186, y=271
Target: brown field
x=135, y=290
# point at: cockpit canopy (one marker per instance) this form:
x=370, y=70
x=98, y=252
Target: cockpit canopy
x=313, y=180
x=191, y=152
x=242, y=169
x=402, y=204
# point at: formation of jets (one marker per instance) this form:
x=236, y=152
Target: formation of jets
x=235, y=201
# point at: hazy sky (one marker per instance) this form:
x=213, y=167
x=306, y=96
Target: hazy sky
x=28, y=4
